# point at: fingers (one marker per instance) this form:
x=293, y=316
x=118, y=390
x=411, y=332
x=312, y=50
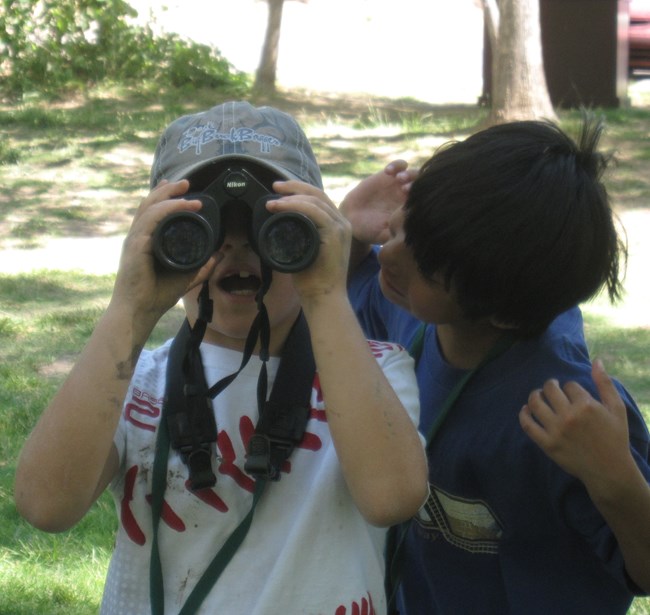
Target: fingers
x=578, y=397
x=319, y=209
x=554, y=405
x=296, y=187
x=563, y=399
x=530, y=426
x=163, y=191
x=548, y=400
x=400, y=170
x=302, y=197
x=544, y=414
x=537, y=410
x=396, y=166
x=160, y=202
x=535, y=419
x=544, y=408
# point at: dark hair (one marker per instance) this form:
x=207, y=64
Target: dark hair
x=517, y=221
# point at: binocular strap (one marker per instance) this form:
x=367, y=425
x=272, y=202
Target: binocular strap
x=189, y=426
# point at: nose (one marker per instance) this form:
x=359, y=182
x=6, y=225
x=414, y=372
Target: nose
x=235, y=240
x=236, y=223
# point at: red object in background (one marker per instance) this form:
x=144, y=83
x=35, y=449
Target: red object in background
x=639, y=35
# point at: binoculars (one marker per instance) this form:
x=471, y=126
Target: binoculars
x=286, y=241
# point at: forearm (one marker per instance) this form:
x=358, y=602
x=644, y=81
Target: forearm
x=625, y=505
x=380, y=452
x=63, y=459
x=69, y=456
x=381, y=456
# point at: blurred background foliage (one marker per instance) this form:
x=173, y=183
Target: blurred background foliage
x=53, y=46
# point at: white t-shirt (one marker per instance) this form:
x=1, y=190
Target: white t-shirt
x=308, y=551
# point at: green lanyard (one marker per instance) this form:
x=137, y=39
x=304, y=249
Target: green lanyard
x=396, y=535
x=281, y=423
x=501, y=345
x=220, y=560
x=415, y=350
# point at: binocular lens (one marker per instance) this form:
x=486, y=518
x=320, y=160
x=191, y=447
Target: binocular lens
x=185, y=242
x=289, y=242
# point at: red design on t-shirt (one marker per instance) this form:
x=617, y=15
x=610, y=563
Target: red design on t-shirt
x=319, y=391
x=246, y=430
x=208, y=496
x=129, y=523
x=168, y=515
x=365, y=607
x=379, y=348
x=318, y=415
x=143, y=405
x=144, y=408
x=310, y=442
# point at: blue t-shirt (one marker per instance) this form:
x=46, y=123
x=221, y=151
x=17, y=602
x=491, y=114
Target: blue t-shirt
x=505, y=530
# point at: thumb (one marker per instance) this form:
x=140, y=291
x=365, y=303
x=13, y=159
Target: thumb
x=609, y=395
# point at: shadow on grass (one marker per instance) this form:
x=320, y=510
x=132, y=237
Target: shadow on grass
x=86, y=166
x=41, y=290
x=87, y=162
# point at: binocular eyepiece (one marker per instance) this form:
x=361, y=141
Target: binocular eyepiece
x=287, y=241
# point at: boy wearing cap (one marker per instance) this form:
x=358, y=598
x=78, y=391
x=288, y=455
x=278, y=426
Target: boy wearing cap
x=499, y=237
x=315, y=544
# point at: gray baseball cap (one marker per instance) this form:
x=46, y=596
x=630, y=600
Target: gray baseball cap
x=235, y=131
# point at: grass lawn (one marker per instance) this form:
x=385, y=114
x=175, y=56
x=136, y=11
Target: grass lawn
x=78, y=168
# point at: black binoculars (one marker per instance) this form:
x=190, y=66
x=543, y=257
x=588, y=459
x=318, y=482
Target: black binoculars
x=285, y=241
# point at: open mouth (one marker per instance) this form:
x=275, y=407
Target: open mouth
x=243, y=283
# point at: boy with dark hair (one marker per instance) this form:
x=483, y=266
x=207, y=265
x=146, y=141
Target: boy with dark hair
x=144, y=424
x=498, y=237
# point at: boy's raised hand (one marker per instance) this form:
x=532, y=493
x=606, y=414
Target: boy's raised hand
x=369, y=206
x=587, y=438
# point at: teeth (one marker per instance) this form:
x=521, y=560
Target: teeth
x=244, y=274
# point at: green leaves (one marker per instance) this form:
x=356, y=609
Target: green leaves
x=49, y=46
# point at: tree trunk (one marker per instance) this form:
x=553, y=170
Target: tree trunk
x=266, y=71
x=519, y=89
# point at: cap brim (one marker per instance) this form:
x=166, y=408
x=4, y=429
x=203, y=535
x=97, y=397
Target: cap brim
x=229, y=158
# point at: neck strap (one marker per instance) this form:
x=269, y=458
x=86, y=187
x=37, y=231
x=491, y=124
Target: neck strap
x=280, y=428
x=498, y=348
